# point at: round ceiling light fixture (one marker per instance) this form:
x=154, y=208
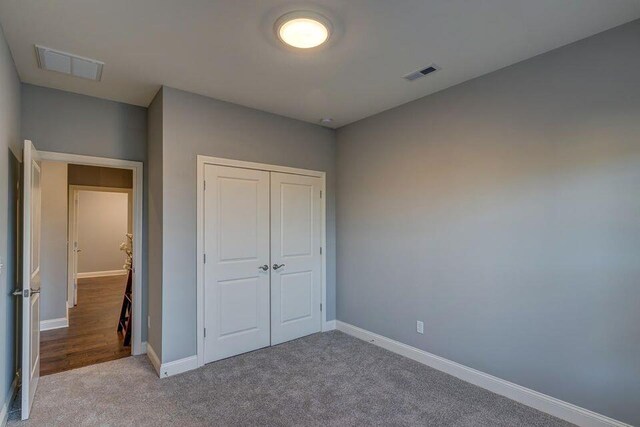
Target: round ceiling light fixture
x=303, y=30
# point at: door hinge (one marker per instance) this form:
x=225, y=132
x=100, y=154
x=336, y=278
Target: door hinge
x=204, y=185
x=205, y=332
x=204, y=258
x=320, y=250
x=320, y=306
x=321, y=194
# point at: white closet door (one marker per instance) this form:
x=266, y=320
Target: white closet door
x=236, y=271
x=295, y=255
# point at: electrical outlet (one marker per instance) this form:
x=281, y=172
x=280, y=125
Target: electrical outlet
x=420, y=327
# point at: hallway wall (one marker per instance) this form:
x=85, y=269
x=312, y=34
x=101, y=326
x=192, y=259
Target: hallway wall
x=102, y=226
x=53, y=249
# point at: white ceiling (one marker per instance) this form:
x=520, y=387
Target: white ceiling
x=227, y=50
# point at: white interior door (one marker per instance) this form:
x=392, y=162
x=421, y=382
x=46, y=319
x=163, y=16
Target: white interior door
x=236, y=269
x=72, y=287
x=295, y=254
x=30, y=278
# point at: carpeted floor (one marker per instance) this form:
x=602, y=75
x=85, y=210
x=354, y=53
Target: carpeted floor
x=324, y=379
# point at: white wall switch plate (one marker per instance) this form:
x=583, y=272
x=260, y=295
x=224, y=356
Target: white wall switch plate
x=420, y=327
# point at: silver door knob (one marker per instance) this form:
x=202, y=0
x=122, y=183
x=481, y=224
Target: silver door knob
x=25, y=292
x=264, y=267
x=277, y=266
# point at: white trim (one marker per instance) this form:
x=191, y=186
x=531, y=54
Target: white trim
x=71, y=220
x=138, y=231
x=153, y=358
x=542, y=402
x=47, y=325
x=4, y=412
x=169, y=369
x=329, y=325
x=178, y=366
x=105, y=273
x=89, y=160
x=200, y=162
x=143, y=347
x=258, y=166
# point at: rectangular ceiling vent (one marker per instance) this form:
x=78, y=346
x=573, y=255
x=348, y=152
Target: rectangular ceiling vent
x=415, y=75
x=66, y=63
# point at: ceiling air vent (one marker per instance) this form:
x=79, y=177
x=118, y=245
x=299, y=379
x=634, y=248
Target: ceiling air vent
x=421, y=73
x=74, y=65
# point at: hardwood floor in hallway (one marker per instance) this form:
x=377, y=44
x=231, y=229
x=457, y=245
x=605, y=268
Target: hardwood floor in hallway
x=91, y=336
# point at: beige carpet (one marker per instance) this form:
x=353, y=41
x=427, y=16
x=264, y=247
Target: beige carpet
x=324, y=379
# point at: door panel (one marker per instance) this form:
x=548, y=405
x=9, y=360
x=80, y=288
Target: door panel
x=296, y=207
x=295, y=244
x=296, y=296
x=232, y=294
x=76, y=248
x=30, y=277
x=236, y=244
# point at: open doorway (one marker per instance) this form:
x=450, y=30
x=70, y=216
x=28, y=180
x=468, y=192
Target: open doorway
x=52, y=248
x=86, y=247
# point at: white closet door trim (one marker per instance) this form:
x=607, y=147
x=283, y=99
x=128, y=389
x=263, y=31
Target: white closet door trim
x=200, y=163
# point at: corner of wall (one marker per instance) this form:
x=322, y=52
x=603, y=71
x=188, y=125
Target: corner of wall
x=155, y=223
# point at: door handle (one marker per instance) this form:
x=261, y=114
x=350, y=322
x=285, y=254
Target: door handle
x=264, y=267
x=25, y=293
x=277, y=266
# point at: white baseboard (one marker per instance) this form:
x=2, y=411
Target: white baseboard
x=106, y=273
x=143, y=348
x=47, y=325
x=153, y=358
x=329, y=325
x=178, y=366
x=542, y=402
x=171, y=368
x=4, y=412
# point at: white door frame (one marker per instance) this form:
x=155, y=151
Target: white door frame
x=207, y=160
x=138, y=232
x=72, y=221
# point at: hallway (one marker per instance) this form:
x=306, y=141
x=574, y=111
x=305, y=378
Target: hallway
x=91, y=336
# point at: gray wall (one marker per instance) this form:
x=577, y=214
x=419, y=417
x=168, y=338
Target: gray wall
x=9, y=171
x=195, y=125
x=70, y=123
x=53, y=249
x=504, y=213
x=154, y=148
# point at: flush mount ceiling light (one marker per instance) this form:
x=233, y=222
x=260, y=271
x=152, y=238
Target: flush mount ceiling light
x=302, y=29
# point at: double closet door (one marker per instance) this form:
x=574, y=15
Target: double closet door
x=262, y=274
